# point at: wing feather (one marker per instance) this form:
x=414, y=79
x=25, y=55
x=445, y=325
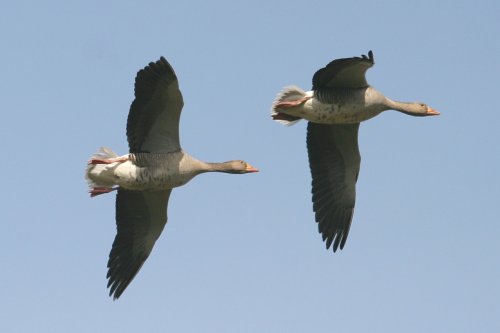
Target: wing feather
x=344, y=73
x=334, y=161
x=153, y=120
x=140, y=219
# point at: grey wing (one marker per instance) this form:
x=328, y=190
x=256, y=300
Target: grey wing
x=153, y=120
x=140, y=219
x=334, y=161
x=344, y=73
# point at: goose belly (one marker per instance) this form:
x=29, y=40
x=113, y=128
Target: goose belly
x=339, y=106
x=337, y=113
x=154, y=178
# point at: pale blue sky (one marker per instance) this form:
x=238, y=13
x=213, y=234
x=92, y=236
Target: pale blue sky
x=242, y=253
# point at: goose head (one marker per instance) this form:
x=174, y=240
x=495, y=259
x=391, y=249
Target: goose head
x=416, y=109
x=240, y=166
x=236, y=167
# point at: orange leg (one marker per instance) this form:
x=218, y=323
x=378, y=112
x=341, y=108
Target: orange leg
x=108, y=160
x=289, y=104
x=101, y=190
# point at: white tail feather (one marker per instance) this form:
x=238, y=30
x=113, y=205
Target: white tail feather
x=103, y=153
x=287, y=94
x=287, y=122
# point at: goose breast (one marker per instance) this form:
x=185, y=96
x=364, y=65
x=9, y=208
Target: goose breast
x=156, y=172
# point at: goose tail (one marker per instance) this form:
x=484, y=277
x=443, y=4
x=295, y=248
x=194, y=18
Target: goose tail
x=94, y=172
x=284, y=97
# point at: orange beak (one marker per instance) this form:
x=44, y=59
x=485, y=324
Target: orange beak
x=250, y=168
x=432, y=112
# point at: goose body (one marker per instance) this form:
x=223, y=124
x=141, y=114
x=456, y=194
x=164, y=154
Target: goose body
x=336, y=106
x=147, y=172
x=145, y=177
x=339, y=100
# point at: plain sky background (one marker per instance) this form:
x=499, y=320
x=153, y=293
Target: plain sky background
x=241, y=253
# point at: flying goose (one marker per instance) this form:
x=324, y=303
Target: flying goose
x=145, y=177
x=339, y=100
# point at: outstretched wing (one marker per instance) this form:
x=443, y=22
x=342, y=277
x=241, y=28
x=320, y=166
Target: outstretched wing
x=153, y=120
x=140, y=219
x=334, y=161
x=344, y=73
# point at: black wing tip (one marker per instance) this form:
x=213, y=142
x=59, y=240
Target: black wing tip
x=119, y=276
x=338, y=237
x=159, y=67
x=159, y=61
x=117, y=287
x=368, y=58
x=116, y=293
x=337, y=240
x=165, y=62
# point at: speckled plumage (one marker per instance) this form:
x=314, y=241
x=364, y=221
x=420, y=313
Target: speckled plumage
x=339, y=106
x=145, y=177
x=339, y=100
x=148, y=171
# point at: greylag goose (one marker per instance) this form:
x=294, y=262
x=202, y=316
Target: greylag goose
x=339, y=100
x=145, y=177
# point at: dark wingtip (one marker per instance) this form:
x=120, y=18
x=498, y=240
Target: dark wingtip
x=335, y=245
x=370, y=55
x=342, y=243
x=369, y=58
x=165, y=62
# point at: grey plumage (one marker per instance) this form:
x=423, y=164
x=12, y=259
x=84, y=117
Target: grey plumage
x=333, y=152
x=152, y=124
x=334, y=162
x=344, y=73
x=140, y=219
x=340, y=99
x=144, y=178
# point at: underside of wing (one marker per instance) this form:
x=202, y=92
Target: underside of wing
x=153, y=120
x=344, y=73
x=334, y=161
x=140, y=219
